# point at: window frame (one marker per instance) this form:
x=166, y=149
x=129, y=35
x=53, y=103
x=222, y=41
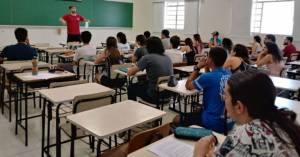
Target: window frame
x=176, y=16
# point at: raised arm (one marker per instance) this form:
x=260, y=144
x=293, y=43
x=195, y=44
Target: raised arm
x=260, y=62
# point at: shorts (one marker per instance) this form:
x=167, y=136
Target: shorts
x=73, y=38
x=67, y=66
x=189, y=119
x=112, y=83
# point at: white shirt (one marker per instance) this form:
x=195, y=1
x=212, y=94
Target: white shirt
x=84, y=51
x=166, y=43
x=175, y=55
x=124, y=47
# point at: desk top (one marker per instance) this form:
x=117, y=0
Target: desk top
x=293, y=63
x=50, y=51
x=140, y=73
x=145, y=153
x=180, y=88
x=42, y=75
x=189, y=69
x=287, y=84
x=64, y=94
x=65, y=56
x=48, y=48
x=112, y=119
x=17, y=66
x=290, y=104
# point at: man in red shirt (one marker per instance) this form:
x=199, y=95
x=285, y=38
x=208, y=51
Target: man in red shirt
x=289, y=49
x=72, y=20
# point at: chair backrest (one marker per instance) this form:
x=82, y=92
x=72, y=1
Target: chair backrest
x=44, y=67
x=147, y=137
x=197, y=57
x=164, y=79
x=87, y=102
x=42, y=44
x=113, y=74
x=182, y=64
x=70, y=45
x=283, y=72
x=86, y=58
x=294, y=57
x=284, y=60
x=67, y=83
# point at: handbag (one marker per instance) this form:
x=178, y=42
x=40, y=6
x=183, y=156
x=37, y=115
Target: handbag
x=173, y=81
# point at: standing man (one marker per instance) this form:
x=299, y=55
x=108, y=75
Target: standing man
x=215, y=41
x=72, y=20
x=289, y=47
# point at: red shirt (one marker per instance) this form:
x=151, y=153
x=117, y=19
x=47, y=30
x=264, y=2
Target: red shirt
x=288, y=50
x=73, y=23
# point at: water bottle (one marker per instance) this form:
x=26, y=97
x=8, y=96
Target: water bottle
x=35, y=69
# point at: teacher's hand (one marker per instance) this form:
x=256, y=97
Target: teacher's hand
x=63, y=22
x=88, y=21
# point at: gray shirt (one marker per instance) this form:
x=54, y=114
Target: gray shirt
x=140, y=52
x=156, y=65
x=166, y=43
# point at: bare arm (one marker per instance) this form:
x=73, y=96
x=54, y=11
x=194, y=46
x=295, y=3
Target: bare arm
x=215, y=42
x=194, y=75
x=134, y=59
x=62, y=21
x=133, y=70
x=184, y=49
x=260, y=62
x=100, y=58
x=228, y=64
x=86, y=20
x=254, y=47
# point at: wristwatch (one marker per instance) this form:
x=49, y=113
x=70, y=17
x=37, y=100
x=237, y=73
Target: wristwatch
x=196, y=68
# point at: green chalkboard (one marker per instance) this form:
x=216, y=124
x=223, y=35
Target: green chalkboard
x=47, y=12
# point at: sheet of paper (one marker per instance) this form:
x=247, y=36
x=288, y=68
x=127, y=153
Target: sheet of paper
x=43, y=76
x=172, y=147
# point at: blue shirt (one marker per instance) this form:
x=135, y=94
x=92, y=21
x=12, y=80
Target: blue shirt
x=19, y=51
x=218, y=41
x=212, y=84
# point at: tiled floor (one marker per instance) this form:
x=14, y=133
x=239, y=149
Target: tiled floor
x=12, y=145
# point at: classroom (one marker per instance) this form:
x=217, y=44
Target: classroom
x=149, y=78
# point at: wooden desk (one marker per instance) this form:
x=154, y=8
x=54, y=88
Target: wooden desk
x=55, y=51
x=124, y=115
x=43, y=79
x=17, y=66
x=180, y=89
x=287, y=84
x=140, y=73
x=145, y=153
x=189, y=69
x=296, y=63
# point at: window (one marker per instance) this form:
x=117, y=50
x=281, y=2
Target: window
x=174, y=15
x=272, y=16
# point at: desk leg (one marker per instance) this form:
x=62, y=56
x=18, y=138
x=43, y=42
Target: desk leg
x=52, y=58
x=26, y=115
x=73, y=127
x=99, y=147
x=185, y=103
x=299, y=95
x=9, y=101
x=47, y=57
x=16, y=108
x=43, y=127
x=2, y=91
x=58, y=134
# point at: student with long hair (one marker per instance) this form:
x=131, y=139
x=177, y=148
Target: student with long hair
x=122, y=42
x=114, y=56
x=141, y=51
x=265, y=130
x=272, y=59
x=198, y=43
x=239, y=60
x=190, y=51
x=227, y=45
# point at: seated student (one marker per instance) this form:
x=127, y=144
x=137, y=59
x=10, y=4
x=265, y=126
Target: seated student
x=157, y=64
x=289, y=48
x=212, y=84
x=215, y=41
x=256, y=46
x=272, y=59
x=147, y=34
x=114, y=55
x=227, y=45
x=175, y=54
x=190, y=51
x=20, y=51
x=239, y=60
x=141, y=50
x=272, y=38
x=85, y=50
x=165, y=38
x=198, y=43
x=264, y=129
x=122, y=43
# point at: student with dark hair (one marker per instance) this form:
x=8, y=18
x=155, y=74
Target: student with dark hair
x=256, y=45
x=264, y=129
x=215, y=41
x=147, y=34
x=122, y=42
x=73, y=24
x=227, y=45
x=190, y=51
x=165, y=38
x=272, y=59
x=212, y=83
x=289, y=47
x=141, y=51
x=20, y=51
x=156, y=64
x=85, y=50
x=114, y=55
x=272, y=38
x=239, y=60
x=175, y=54
x=198, y=43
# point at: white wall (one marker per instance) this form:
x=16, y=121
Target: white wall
x=49, y=34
